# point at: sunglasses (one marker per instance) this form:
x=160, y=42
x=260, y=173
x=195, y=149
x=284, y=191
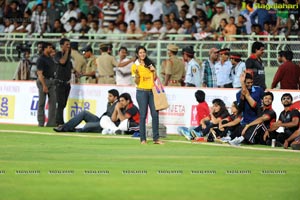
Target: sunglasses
x=286, y=98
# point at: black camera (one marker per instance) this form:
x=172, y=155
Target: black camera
x=22, y=48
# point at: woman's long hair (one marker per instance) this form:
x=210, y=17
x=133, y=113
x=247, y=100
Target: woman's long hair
x=147, y=61
x=223, y=110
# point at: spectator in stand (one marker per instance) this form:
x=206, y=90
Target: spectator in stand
x=95, y=29
x=219, y=34
x=93, y=8
x=256, y=131
x=9, y=26
x=193, y=77
x=111, y=13
x=170, y=7
x=209, y=74
x=174, y=68
x=125, y=118
x=189, y=26
x=158, y=27
x=283, y=23
x=74, y=26
x=13, y=12
x=238, y=67
x=70, y=13
x=123, y=74
x=223, y=69
x=261, y=15
x=92, y=121
x=39, y=20
x=215, y=22
x=84, y=26
x=133, y=29
x=153, y=7
x=288, y=73
x=288, y=119
x=230, y=29
x=177, y=26
x=58, y=27
x=255, y=66
x=112, y=30
x=240, y=26
x=132, y=12
x=54, y=11
x=123, y=27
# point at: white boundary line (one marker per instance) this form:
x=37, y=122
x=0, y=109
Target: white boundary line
x=126, y=137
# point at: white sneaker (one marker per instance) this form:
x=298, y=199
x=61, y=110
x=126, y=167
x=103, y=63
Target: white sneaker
x=236, y=141
x=106, y=131
x=226, y=139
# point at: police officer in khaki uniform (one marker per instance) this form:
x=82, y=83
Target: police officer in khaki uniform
x=105, y=66
x=91, y=66
x=79, y=61
x=174, y=68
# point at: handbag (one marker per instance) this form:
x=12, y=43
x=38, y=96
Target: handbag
x=159, y=95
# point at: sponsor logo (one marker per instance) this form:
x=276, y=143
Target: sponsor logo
x=75, y=106
x=7, y=107
x=194, y=121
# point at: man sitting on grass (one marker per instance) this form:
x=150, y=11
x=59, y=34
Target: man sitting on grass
x=92, y=121
x=288, y=119
x=257, y=131
x=126, y=117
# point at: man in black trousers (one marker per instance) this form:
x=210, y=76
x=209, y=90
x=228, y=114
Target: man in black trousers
x=63, y=78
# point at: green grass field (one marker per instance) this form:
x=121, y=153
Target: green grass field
x=41, y=164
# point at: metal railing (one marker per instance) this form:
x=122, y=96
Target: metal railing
x=156, y=44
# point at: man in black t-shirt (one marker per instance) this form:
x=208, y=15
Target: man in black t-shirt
x=46, y=70
x=288, y=119
x=126, y=117
x=63, y=78
x=254, y=64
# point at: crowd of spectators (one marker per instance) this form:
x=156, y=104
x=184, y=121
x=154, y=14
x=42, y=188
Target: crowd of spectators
x=199, y=19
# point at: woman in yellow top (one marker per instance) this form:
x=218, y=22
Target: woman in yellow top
x=144, y=74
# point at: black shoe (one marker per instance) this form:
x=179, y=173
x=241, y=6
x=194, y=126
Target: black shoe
x=118, y=132
x=295, y=146
x=59, y=129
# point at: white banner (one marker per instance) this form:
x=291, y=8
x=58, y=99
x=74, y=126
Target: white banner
x=19, y=102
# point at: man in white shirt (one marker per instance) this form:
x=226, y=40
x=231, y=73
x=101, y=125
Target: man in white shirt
x=153, y=7
x=123, y=74
x=223, y=69
x=238, y=66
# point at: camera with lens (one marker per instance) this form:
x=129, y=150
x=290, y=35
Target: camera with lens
x=22, y=48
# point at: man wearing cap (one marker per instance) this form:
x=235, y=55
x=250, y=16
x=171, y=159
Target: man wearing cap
x=79, y=61
x=223, y=69
x=209, y=74
x=174, y=68
x=91, y=67
x=288, y=119
x=105, y=65
x=193, y=76
x=238, y=66
x=215, y=22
